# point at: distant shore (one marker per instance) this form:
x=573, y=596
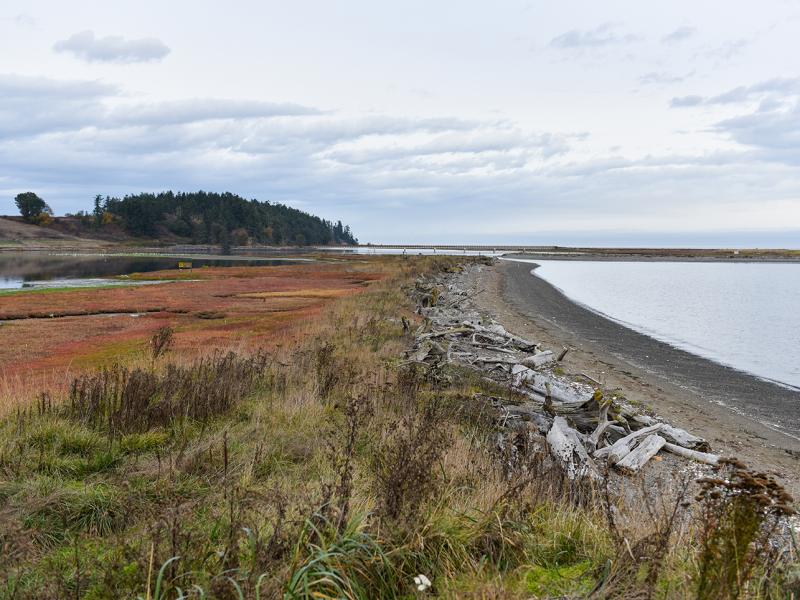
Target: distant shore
x=740, y=414
x=662, y=255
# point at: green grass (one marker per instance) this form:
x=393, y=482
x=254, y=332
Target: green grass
x=544, y=582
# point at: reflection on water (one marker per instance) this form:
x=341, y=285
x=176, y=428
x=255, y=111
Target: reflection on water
x=10, y=283
x=35, y=269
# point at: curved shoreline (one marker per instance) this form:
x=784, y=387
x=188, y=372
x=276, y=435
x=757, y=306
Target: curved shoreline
x=739, y=413
x=675, y=344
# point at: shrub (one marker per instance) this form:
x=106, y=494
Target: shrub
x=332, y=370
x=405, y=462
x=740, y=510
x=128, y=401
x=77, y=507
x=161, y=343
x=348, y=564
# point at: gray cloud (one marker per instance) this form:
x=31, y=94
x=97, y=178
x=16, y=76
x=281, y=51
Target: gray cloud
x=117, y=49
x=775, y=134
x=29, y=88
x=771, y=89
x=771, y=131
x=679, y=35
x=198, y=109
x=34, y=105
x=21, y=19
x=684, y=101
x=662, y=78
x=602, y=35
x=728, y=50
x=484, y=145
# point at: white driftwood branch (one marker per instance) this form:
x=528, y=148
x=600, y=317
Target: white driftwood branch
x=602, y=424
x=682, y=438
x=560, y=389
x=539, y=359
x=675, y=435
x=566, y=447
x=622, y=447
x=703, y=457
x=444, y=332
x=637, y=458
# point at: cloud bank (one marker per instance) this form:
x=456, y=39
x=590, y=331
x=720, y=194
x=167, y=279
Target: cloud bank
x=602, y=35
x=115, y=49
x=680, y=34
x=73, y=139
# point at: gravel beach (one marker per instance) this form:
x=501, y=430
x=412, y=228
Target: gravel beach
x=739, y=414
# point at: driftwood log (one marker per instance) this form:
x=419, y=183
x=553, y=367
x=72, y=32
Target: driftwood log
x=540, y=359
x=602, y=424
x=637, y=458
x=622, y=447
x=567, y=448
x=703, y=457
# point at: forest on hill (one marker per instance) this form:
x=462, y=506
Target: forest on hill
x=212, y=218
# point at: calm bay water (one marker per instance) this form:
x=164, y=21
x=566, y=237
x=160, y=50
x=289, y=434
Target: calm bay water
x=39, y=269
x=745, y=315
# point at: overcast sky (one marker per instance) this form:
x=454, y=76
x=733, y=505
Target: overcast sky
x=418, y=120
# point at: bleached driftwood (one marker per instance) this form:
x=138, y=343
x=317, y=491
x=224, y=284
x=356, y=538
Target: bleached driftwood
x=444, y=332
x=567, y=448
x=602, y=424
x=682, y=438
x=518, y=342
x=675, y=435
x=560, y=389
x=466, y=297
x=500, y=349
x=637, y=458
x=488, y=339
x=494, y=359
x=622, y=447
x=539, y=359
x=703, y=457
x=520, y=374
x=581, y=415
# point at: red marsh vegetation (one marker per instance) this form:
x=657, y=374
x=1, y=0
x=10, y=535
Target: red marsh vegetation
x=50, y=336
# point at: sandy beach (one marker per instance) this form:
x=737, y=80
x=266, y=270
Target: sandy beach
x=739, y=414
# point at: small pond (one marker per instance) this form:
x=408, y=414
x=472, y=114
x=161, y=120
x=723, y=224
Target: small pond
x=45, y=270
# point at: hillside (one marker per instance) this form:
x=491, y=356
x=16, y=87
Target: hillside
x=179, y=218
x=211, y=218
x=18, y=234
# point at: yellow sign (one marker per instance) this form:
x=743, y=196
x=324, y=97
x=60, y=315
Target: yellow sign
x=184, y=264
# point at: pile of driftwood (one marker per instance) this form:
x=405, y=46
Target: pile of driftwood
x=580, y=423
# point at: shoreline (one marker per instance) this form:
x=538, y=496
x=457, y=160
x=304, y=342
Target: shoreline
x=676, y=345
x=705, y=397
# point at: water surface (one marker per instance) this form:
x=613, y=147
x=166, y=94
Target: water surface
x=39, y=269
x=744, y=315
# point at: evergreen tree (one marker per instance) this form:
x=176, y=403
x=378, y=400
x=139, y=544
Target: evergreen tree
x=202, y=217
x=31, y=207
x=98, y=211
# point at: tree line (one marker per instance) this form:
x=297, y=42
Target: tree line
x=212, y=218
